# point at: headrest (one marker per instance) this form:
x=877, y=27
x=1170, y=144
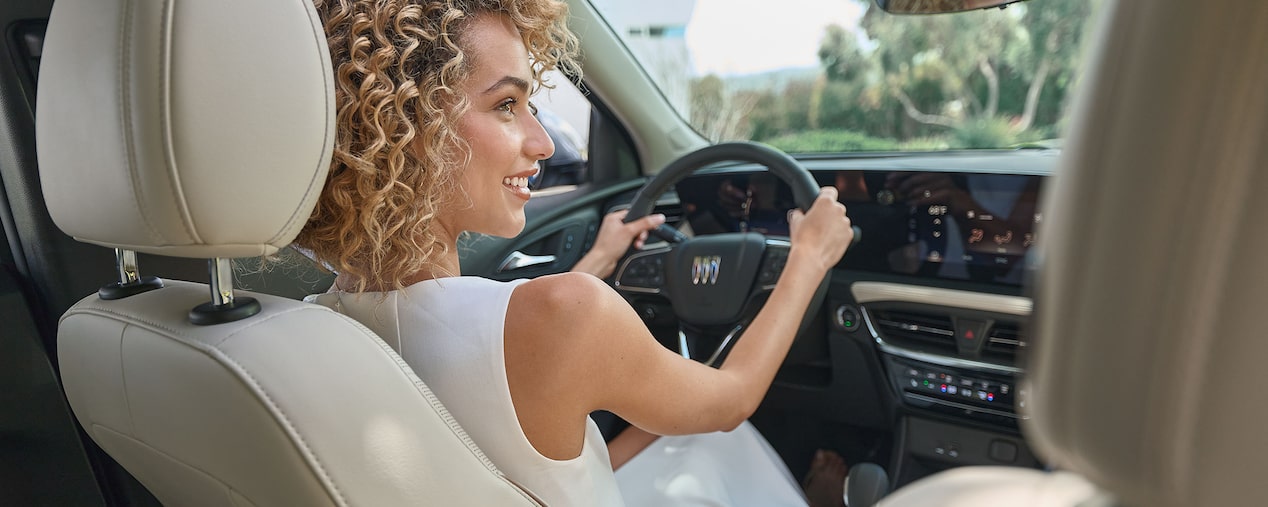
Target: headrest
x=200, y=128
x=1149, y=334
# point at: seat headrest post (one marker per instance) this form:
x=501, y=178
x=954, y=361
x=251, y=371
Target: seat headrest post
x=130, y=280
x=125, y=260
x=223, y=307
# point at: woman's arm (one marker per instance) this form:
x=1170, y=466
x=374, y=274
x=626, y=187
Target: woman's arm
x=573, y=345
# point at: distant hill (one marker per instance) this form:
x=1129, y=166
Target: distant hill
x=771, y=80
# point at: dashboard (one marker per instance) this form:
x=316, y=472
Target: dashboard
x=922, y=333
x=940, y=225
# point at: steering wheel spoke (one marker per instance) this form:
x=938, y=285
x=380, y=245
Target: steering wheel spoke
x=773, y=263
x=707, y=348
x=643, y=272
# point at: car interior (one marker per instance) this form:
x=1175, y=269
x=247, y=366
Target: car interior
x=1066, y=325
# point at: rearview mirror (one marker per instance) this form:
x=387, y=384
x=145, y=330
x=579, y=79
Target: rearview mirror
x=938, y=6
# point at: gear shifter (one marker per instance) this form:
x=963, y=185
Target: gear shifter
x=866, y=484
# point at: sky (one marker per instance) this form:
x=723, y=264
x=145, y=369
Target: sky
x=729, y=37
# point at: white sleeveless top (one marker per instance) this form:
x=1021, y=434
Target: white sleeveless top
x=449, y=331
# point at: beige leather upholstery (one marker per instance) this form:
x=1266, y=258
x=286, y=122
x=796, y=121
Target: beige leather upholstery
x=999, y=486
x=191, y=129
x=298, y=405
x=1149, y=342
x=202, y=128
x=1151, y=333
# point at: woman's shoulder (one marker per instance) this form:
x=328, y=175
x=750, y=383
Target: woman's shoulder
x=567, y=304
x=564, y=291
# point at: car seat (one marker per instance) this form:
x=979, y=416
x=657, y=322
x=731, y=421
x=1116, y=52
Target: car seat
x=204, y=129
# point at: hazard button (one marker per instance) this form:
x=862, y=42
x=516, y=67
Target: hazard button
x=970, y=336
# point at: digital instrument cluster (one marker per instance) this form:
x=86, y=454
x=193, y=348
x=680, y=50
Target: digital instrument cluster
x=960, y=226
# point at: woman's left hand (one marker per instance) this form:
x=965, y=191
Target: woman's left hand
x=614, y=238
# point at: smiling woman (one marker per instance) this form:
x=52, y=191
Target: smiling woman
x=399, y=147
x=504, y=140
x=437, y=137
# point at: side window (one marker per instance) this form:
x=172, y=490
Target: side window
x=565, y=113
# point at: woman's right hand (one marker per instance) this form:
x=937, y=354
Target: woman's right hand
x=820, y=236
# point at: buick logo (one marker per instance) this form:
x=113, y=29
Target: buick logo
x=704, y=270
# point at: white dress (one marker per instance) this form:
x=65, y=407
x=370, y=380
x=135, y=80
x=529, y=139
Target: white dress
x=449, y=331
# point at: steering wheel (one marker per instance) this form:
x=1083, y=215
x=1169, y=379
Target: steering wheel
x=712, y=282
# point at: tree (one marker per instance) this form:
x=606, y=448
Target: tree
x=718, y=114
x=1056, y=36
x=952, y=70
x=841, y=57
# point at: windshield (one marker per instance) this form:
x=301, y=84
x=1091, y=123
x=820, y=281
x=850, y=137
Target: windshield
x=842, y=75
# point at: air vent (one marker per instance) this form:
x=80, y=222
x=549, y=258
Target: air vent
x=917, y=330
x=1005, y=341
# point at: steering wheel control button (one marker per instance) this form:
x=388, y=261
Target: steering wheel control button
x=642, y=272
x=970, y=336
x=848, y=318
x=776, y=259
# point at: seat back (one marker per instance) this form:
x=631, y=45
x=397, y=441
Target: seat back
x=204, y=129
x=1149, y=333
x=1148, y=336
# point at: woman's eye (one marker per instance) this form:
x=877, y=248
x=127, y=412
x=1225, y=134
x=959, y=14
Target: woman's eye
x=507, y=106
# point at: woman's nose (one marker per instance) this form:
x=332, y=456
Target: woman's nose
x=538, y=145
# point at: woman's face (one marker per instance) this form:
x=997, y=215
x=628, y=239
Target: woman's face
x=505, y=138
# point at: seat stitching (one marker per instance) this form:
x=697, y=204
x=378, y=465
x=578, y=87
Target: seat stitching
x=165, y=108
x=326, y=76
x=443, y=412
x=431, y=398
x=143, y=443
x=215, y=352
x=133, y=319
x=123, y=374
x=249, y=380
x=286, y=422
x=125, y=108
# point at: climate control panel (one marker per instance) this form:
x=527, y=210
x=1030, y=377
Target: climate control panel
x=955, y=389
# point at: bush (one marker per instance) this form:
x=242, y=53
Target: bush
x=984, y=133
x=814, y=141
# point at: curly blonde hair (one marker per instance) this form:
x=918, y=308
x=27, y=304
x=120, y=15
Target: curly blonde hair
x=398, y=65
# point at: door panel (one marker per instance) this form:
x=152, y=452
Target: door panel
x=559, y=230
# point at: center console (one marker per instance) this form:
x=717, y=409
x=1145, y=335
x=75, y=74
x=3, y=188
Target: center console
x=949, y=358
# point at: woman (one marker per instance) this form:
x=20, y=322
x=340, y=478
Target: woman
x=436, y=137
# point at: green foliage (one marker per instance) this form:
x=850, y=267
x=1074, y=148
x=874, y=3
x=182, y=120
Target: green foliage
x=984, y=133
x=841, y=57
x=980, y=79
x=830, y=140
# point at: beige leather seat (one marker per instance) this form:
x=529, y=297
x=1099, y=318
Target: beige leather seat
x=203, y=129
x=1145, y=375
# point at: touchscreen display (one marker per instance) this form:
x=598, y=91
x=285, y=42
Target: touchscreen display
x=962, y=226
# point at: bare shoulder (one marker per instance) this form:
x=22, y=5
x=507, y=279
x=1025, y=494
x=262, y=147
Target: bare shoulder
x=557, y=336
x=563, y=295
x=571, y=320
x=549, y=353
